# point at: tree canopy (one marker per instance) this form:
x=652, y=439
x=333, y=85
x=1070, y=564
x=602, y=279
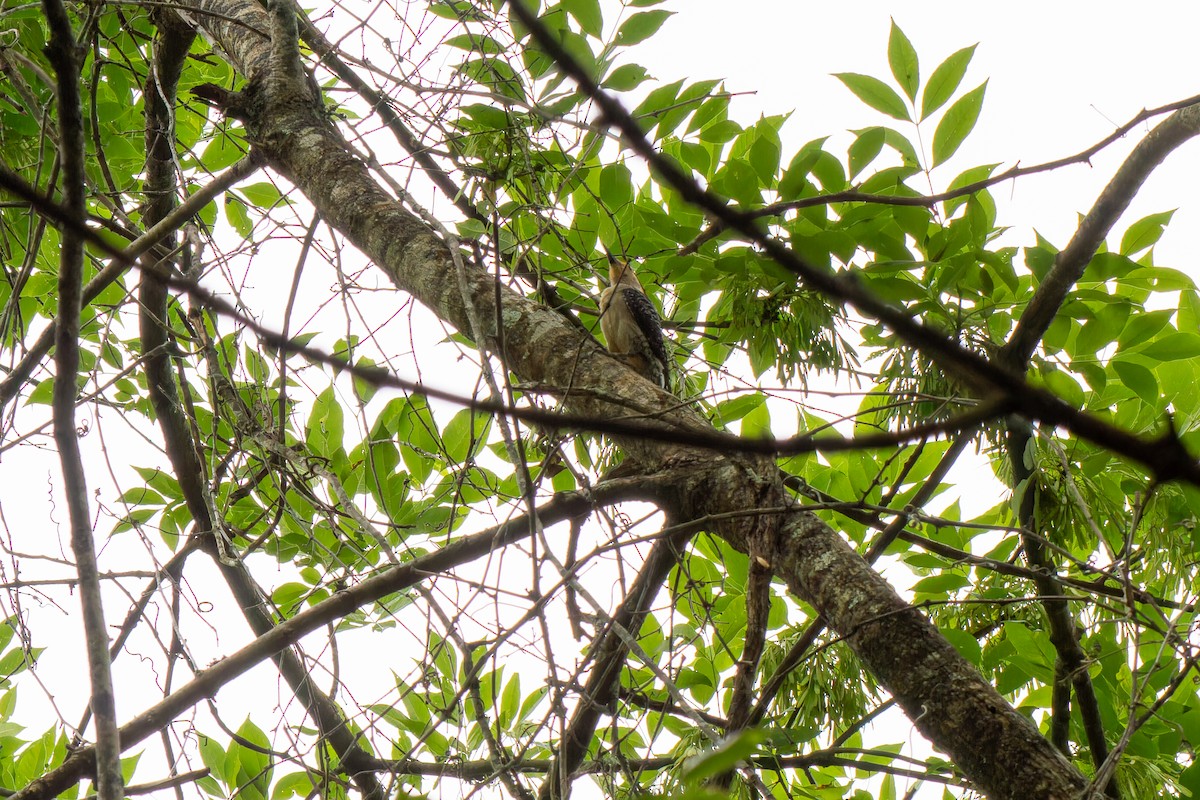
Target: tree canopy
x=350, y=499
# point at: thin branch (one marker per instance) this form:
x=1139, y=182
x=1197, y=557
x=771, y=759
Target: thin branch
x=157, y=786
x=64, y=57
x=1070, y=264
x=482, y=771
x=758, y=609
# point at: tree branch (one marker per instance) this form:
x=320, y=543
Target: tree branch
x=63, y=56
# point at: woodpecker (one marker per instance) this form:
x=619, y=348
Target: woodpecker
x=632, y=327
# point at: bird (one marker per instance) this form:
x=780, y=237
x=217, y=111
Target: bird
x=631, y=325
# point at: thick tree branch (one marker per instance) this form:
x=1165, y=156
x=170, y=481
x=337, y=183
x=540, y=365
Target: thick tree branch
x=741, y=703
x=939, y=691
x=540, y=348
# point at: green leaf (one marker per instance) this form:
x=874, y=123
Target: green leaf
x=287, y=596
x=902, y=58
x=1189, y=310
x=690, y=100
x=944, y=81
x=957, y=123
x=1102, y=330
x=940, y=585
x=1145, y=232
x=757, y=422
x=141, y=497
x=728, y=411
x=739, y=181
x=15, y=661
x=764, y=157
x=578, y=47
x=616, y=187
x=1173, y=346
x=875, y=93
x=966, y=644
x=212, y=755
x=1063, y=385
x=456, y=10
x=297, y=784
x=640, y=27
x=224, y=149
x=795, y=177
x=712, y=111
x=972, y=175
x=467, y=430
x=1138, y=379
x=325, y=425
x=253, y=764
x=1142, y=327
x=626, y=77
x=864, y=149
x=476, y=43
x=7, y=629
x=720, y=132
x=239, y=218
x=510, y=700
x=42, y=394
x=658, y=100
x=898, y=142
x=724, y=757
x=587, y=13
